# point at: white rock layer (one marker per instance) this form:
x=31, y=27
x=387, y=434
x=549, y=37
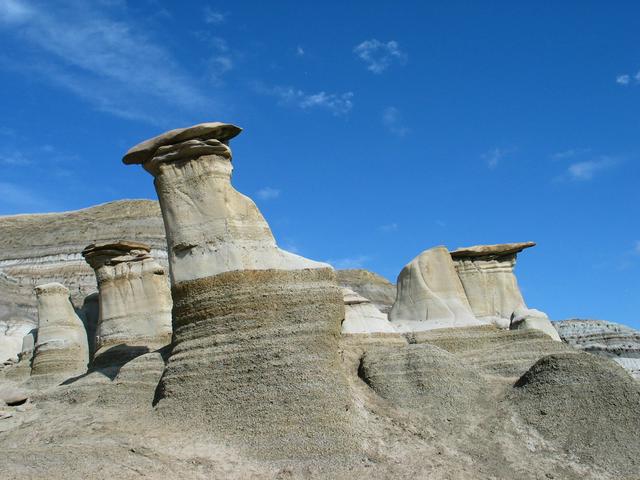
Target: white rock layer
x=430, y=295
x=531, y=319
x=362, y=317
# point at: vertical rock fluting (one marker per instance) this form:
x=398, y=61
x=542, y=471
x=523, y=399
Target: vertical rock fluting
x=486, y=273
x=61, y=348
x=134, y=301
x=254, y=355
x=430, y=295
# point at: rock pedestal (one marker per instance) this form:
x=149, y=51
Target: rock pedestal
x=61, y=348
x=486, y=273
x=430, y=295
x=134, y=301
x=255, y=348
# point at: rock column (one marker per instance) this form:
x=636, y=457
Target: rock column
x=61, y=348
x=255, y=348
x=134, y=301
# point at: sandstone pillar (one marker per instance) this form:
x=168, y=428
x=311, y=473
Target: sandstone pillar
x=61, y=348
x=255, y=349
x=134, y=301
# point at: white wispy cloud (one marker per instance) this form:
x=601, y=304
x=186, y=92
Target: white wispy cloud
x=378, y=56
x=299, y=51
x=268, y=193
x=392, y=120
x=494, y=156
x=14, y=159
x=636, y=247
x=389, y=227
x=570, y=153
x=357, y=261
x=214, y=17
x=336, y=103
x=587, y=170
x=623, y=79
x=110, y=63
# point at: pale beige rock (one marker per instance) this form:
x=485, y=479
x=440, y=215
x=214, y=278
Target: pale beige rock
x=430, y=295
x=211, y=227
x=61, y=348
x=362, y=317
x=134, y=300
x=486, y=273
x=531, y=319
x=370, y=285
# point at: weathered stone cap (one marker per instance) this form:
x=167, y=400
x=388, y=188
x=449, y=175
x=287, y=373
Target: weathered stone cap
x=203, y=131
x=121, y=246
x=489, y=250
x=51, y=288
x=98, y=254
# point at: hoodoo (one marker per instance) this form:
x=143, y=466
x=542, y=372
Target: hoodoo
x=486, y=273
x=61, y=349
x=255, y=348
x=134, y=298
x=430, y=295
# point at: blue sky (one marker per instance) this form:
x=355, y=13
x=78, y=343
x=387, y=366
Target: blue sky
x=372, y=130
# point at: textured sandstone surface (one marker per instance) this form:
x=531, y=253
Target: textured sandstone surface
x=430, y=294
x=370, y=285
x=486, y=273
x=608, y=339
x=532, y=319
x=362, y=317
x=44, y=248
x=211, y=227
x=134, y=300
x=61, y=348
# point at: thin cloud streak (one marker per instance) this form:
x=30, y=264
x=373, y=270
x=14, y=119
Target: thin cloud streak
x=336, y=103
x=379, y=56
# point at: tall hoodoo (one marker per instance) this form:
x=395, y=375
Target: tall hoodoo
x=134, y=298
x=255, y=349
x=486, y=273
x=61, y=349
x=430, y=295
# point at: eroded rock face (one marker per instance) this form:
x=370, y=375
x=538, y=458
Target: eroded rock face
x=61, y=348
x=362, y=317
x=376, y=288
x=608, y=339
x=45, y=248
x=532, y=319
x=255, y=347
x=430, y=294
x=135, y=301
x=486, y=273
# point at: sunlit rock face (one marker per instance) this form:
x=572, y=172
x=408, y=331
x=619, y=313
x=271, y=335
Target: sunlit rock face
x=531, y=319
x=61, y=348
x=486, y=273
x=608, y=339
x=430, y=295
x=254, y=355
x=362, y=317
x=134, y=300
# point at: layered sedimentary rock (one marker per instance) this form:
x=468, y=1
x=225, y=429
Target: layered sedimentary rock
x=486, y=273
x=370, y=285
x=430, y=294
x=44, y=248
x=362, y=317
x=61, y=348
x=532, y=319
x=134, y=300
x=608, y=339
x=255, y=350
x=586, y=405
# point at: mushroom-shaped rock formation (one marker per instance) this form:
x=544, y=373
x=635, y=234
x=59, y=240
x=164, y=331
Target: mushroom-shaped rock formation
x=430, y=295
x=531, y=319
x=211, y=227
x=486, y=273
x=254, y=354
x=134, y=298
x=61, y=348
x=362, y=316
